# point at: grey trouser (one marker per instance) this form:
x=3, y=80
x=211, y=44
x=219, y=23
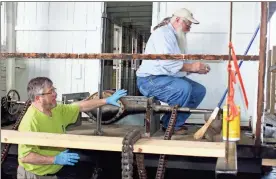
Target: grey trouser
x=23, y=174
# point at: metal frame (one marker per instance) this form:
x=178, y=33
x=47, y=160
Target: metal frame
x=98, y=130
x=262, y=67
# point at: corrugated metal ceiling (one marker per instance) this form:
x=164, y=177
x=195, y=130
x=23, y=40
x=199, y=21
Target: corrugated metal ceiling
x=136, y=14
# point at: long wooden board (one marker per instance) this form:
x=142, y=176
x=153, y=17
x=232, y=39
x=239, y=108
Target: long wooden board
x=269, y=162
x=153, y=146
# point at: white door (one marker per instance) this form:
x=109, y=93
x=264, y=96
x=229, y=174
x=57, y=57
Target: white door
x=117, y=48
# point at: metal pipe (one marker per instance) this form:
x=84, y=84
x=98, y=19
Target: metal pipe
x=163, y=109
x=101, y=72
x=128, y=56
x=11, y=44
x=261, y=77
x=229, y=83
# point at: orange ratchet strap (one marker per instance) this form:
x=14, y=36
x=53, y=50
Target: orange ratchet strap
x=233, y=111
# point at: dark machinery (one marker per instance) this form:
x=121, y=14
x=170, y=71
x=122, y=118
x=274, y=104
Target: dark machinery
x=134, y=105
x=11, y=106
x=73, y=97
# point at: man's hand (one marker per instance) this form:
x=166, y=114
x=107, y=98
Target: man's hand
x=65, y=158
x=200, y=68
x=115, y=97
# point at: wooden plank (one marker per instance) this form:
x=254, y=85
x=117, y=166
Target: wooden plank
x=145, y=145
x=270, y=140
x=269, y=162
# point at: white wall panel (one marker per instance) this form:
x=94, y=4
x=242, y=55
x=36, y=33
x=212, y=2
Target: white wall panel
x=3, y=43
x=272, y=26
x=59, y=27
x=211, y=36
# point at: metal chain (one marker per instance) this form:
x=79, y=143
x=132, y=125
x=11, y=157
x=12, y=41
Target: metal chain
x=168, y=134
x=141, y=166
x=127, y=153
x=5, y=151
x=4, y=102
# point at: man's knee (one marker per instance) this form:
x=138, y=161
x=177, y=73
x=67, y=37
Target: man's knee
x=184, y=94
x=201, y=91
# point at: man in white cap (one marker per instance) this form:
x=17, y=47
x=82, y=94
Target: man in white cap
x=166, y=79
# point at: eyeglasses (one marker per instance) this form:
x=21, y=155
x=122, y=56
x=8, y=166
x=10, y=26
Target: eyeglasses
x=52, y=91
x=188, y=25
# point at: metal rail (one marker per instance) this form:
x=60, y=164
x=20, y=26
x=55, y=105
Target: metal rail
x=127, y=56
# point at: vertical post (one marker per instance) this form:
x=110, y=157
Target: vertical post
x=101, y=72
x=262, y=63
x=273, y=83
x=229, y=63
x=11, y=44
x=268, y=80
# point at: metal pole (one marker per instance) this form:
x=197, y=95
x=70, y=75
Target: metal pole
x=229, y=63
x=261, y=77
x=11, y=44
x=101, y=72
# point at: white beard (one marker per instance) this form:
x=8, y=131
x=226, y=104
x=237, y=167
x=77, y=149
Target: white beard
x=181, y=40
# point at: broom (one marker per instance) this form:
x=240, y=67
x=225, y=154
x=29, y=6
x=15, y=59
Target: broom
x=200, y=133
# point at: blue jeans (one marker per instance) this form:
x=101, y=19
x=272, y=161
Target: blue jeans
x=174, y=91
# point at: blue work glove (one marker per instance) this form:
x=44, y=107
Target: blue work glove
x=65, y=158
x=115, y=97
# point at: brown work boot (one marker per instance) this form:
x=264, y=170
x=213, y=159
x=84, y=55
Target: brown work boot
x=183, y=130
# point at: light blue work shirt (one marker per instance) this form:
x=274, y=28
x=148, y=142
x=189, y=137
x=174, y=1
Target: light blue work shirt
x=162, y=41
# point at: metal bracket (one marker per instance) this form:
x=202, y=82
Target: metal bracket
x=228, y=165
x=152, y=120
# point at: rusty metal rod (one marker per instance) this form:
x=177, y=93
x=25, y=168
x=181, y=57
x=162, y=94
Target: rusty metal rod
x=162, y=109
x=131, y=108
x=229, y=83
x=126, y=56
x=261, y=77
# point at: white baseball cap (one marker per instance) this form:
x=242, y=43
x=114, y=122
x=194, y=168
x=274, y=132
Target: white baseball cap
x=185, y=13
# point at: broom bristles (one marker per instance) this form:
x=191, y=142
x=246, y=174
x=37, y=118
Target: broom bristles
x=200, y=133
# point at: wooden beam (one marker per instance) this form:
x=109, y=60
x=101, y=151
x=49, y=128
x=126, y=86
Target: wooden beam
x=145, y=145
x=269, y=162
x=261, y=76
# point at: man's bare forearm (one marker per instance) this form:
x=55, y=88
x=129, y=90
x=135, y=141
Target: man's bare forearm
x=187, y=67
x=88, y=105
x=37, y=159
